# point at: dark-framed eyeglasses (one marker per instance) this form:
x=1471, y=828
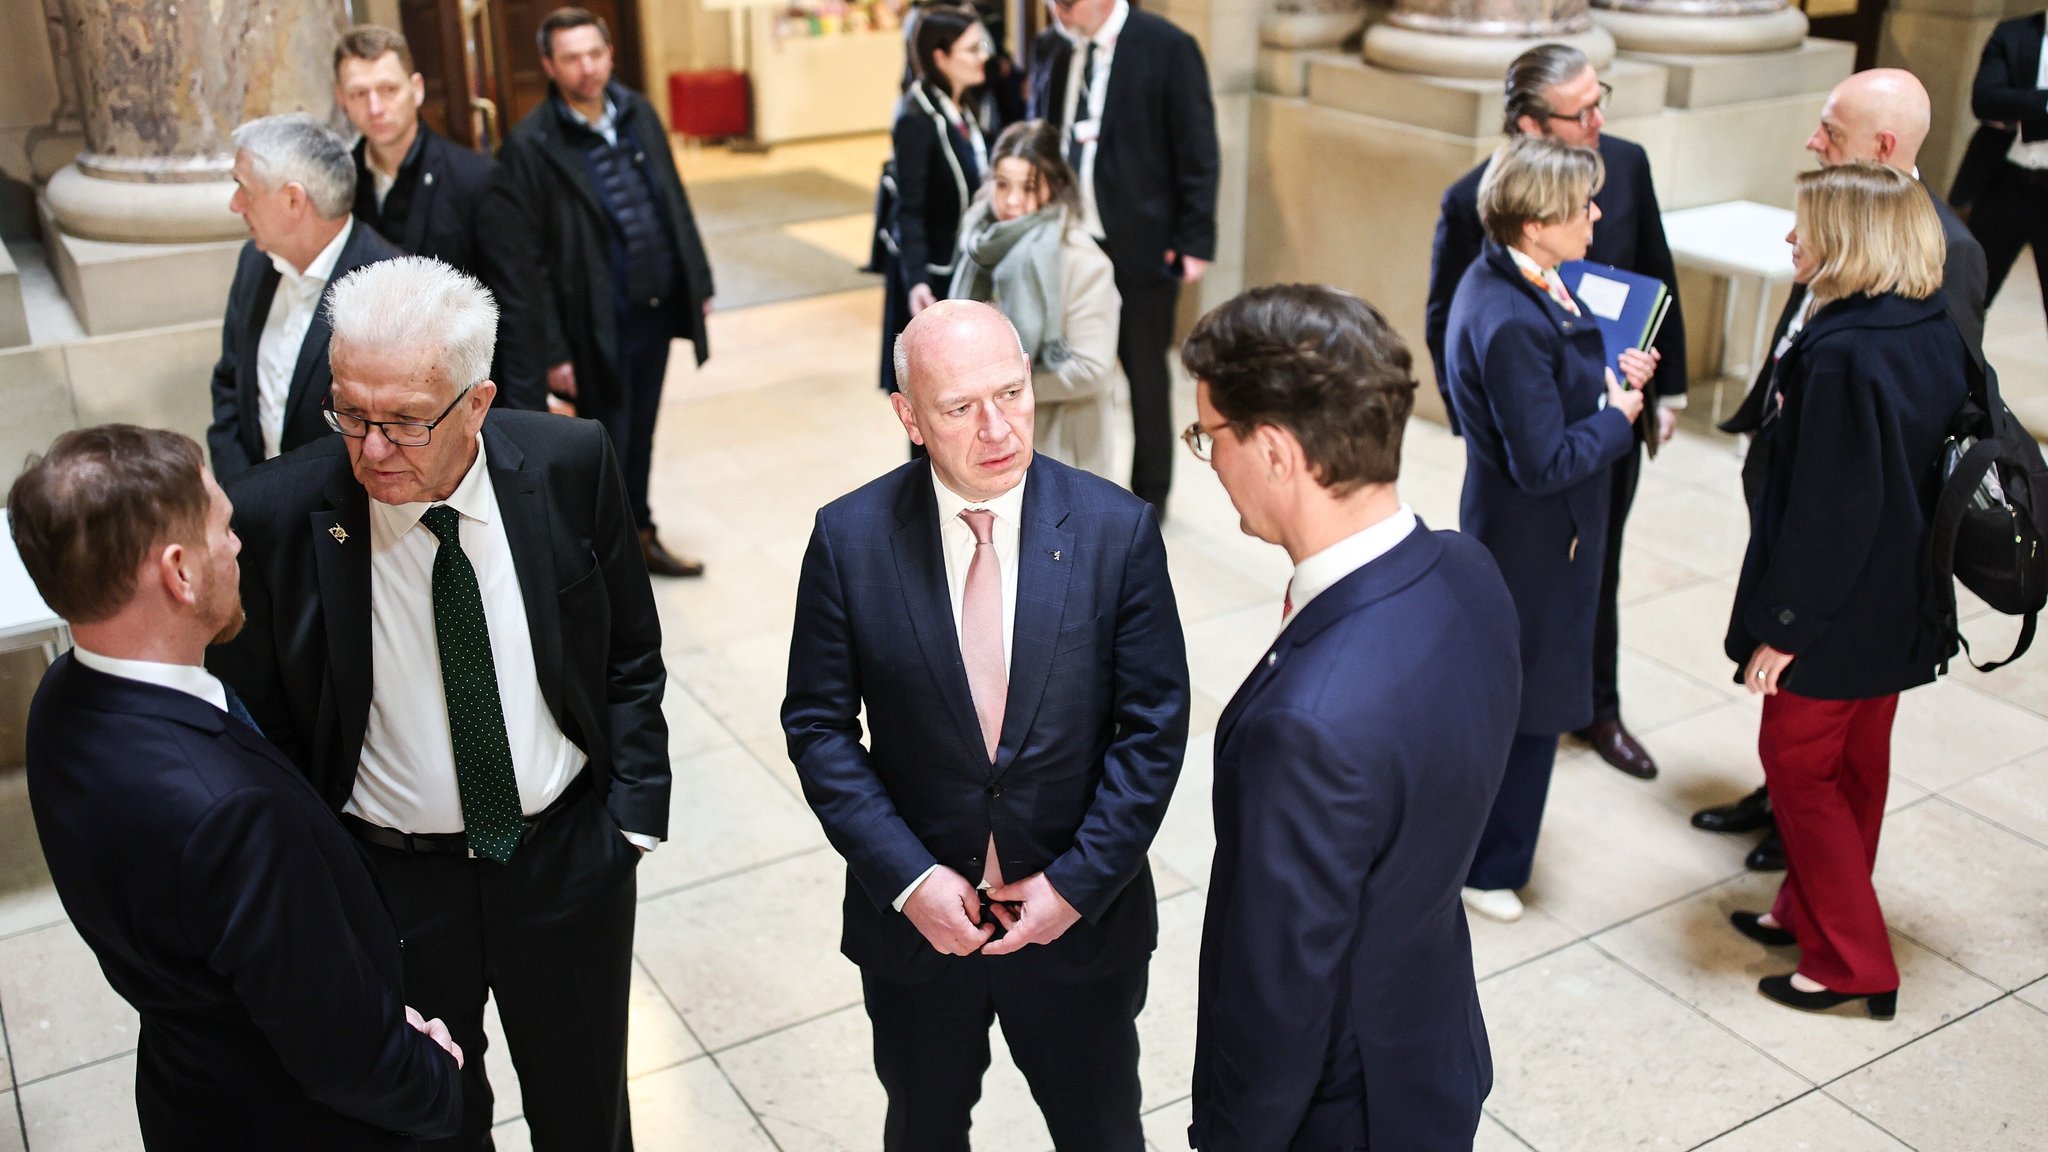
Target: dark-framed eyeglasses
x=1585, y=115
x=1201, y=439
x=403, y=433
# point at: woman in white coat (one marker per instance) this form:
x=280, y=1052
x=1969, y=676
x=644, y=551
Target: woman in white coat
x=1023, y=249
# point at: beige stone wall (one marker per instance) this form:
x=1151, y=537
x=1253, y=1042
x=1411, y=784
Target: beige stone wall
x=32, y=143
x=1940, y=41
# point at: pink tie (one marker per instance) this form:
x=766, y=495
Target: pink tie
x=981, y=647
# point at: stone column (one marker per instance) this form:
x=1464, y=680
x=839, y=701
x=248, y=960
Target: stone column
x=163, y=83
x=1478, y=39
x=1705, y=27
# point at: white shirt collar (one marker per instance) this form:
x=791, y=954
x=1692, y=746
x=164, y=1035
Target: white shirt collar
x=322, y=266
x=1110, y=30
x=473, y=498
x=1527, y=263
x=1316, y=574
x=1009, y=506
x=190, y=679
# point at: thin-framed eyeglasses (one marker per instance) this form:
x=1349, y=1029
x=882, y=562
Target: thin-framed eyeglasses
x=1585, y=115
x=403, y=433
x=1201, y=439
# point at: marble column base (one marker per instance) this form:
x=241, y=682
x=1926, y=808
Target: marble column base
x=1474, y=57
x=142, y=213
x=116, y=287
x=1705, y=34
x=1308, y=30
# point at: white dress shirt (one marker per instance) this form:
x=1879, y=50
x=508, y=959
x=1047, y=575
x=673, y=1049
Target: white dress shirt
x=2034, y=155
x=406, y=778
x=284, y=329
x=1087, y=121
x=1316, y=574
x=191, y=679
x=957, y=540
x=606, y=125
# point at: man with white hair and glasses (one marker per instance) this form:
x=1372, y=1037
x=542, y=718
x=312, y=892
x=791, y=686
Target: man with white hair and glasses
x=452, y=634
x=294, y=184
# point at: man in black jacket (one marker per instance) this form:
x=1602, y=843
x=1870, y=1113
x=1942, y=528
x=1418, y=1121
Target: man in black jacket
x=2010, y=97
x=1132, y=95
x=1553, y=90
x=220, y=896
x=420, y=190
x=605, y=265
x=1881, y=114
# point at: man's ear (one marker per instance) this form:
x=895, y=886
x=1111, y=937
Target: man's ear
x=1282, y=454
x=169, y=568
x=907, y=415
x=1887, y=146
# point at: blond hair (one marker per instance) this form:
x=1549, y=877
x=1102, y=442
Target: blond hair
x=1872, y=230
x=1536, y=178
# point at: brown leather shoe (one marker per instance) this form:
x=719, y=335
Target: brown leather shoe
x=1619, y=749
x=660, y=562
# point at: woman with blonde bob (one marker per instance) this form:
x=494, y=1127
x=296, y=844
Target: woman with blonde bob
x=1831, y=617
x=1544, y=420
x=1022, y=249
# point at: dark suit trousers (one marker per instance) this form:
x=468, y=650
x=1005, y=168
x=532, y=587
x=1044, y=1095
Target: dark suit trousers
x=1144, y=339
x=1076, y=1041
x=644, y=338
x=2009, y=215
x=1627, y=472
x=1507, y=849
x=550, y=935
x=1828, y=763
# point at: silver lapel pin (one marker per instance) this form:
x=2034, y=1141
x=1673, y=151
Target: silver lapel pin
x=339, y=533
x=1055, y=554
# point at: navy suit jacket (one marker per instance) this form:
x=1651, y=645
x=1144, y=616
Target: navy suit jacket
x=1354, y=772
x=230, y=908
x=1093, y=731
x=1630, y=235
x=1527, y=379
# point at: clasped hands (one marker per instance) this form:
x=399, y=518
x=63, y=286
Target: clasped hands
x=946, y=909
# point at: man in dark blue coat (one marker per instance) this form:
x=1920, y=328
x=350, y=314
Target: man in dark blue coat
x=1356, y=766
x=1008, y=626
x=1553, y=91
x=222, y=898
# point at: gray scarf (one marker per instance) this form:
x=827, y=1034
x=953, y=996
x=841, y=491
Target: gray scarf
x=1018, y=262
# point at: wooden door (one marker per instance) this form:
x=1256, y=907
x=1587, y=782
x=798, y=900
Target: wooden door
x=481, y=62
x=527, y=84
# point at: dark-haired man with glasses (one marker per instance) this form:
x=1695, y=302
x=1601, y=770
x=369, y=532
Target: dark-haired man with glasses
x=1553, y=90
x=451, y=632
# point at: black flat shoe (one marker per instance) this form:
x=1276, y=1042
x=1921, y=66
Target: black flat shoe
x=1881, y=1005
x=1749, y=924
x=1745, y=815
x=1768, y=855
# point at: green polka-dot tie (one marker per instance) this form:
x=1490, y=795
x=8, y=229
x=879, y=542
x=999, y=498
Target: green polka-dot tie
x=476, y=719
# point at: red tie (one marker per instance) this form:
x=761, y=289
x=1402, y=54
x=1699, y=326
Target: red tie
x=981, y=647
x=1287, y=603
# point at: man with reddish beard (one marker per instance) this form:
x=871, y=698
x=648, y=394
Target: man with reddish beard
x=1008, y=626
x=221, y=898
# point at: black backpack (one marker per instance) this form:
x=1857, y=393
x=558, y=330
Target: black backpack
x=1990, y=519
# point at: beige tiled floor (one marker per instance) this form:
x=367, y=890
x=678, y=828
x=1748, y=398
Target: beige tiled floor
x=1622, y=1010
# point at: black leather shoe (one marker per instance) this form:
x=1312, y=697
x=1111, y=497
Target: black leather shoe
x=1750, y=925
x=661, y=562
x=1881, y=1005
x=1767, y=856
x=1621, y=750
x=1745, y=815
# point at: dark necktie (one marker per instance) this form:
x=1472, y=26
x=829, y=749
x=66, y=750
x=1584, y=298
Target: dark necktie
x=491, y=814
x=240, y=711
x=1082, y=101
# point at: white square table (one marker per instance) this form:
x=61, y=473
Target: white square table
x=25, y=621
x=1740, y=239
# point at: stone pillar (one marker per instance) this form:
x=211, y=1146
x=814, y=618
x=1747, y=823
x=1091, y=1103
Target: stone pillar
x=1940, y=41
x=163, y=84
x=1702, y=26
x=1296, y=29
x=1478, y=39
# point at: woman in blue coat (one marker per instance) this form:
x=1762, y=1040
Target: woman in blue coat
x=1543, y=419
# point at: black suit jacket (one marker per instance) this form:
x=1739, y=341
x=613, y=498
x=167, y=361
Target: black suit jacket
x=2007, y=96
x=1157, y=161
x=936, y=176
x=1963, y=277
x=1093, y=731
x=556, y=245
x=1337, y=1005
x=302, y=663
x=236, y=440
x=1629, y=236
x=226, y=904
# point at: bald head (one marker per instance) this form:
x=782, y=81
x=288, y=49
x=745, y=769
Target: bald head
x=966, y=396
x=1881, y=114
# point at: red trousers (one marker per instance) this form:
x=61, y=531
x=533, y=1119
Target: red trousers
x=1828, y=763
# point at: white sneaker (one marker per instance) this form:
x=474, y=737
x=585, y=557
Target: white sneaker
x=1494, y=903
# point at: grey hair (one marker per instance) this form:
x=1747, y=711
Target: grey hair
x=417, y=301
x=295, y=148
x=902, y=353
x=1534, y=73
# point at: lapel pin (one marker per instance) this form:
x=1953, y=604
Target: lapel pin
x=339, y=533
x=1055, y=554
x=427, y=179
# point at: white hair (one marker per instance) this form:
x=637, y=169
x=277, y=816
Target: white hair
x=297, y=149
x=415, y=302
x=901, y=351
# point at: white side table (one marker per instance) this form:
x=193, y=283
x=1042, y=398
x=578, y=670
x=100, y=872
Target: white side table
x=25, y=621
x=1738, y=240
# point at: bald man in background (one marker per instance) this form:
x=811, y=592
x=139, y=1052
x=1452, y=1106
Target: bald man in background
x=1882, y=115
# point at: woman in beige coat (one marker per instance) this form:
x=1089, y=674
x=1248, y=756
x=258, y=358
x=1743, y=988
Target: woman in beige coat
x=1024, y=251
